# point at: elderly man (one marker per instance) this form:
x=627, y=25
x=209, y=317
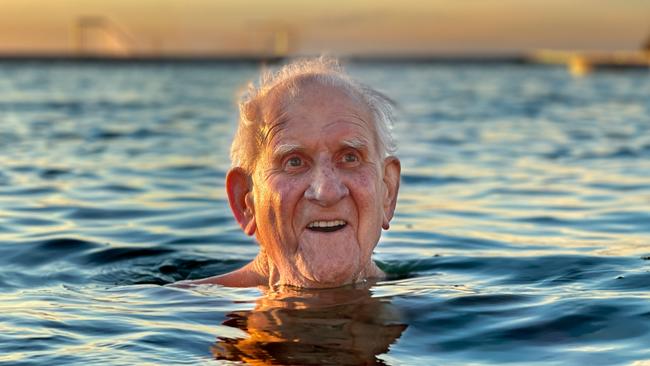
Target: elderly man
x=313, y=177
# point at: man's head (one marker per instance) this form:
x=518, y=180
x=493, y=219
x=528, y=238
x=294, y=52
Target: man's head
x=313, y=177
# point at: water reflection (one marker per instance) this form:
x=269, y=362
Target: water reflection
x=343, y=326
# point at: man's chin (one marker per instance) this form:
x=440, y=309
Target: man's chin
x=328, y=259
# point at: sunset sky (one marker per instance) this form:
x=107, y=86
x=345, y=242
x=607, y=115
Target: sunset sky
x=337, y=26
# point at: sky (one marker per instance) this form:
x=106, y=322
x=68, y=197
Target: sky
x=380, y=27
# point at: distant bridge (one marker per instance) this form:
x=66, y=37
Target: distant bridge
x=99, y=36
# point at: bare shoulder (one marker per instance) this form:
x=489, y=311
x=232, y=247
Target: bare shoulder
x=243, y=277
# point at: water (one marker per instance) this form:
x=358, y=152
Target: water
x=522, y=232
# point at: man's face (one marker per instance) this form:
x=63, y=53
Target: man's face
x=318, y=189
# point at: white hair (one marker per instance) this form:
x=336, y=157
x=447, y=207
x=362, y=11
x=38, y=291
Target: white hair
x=270, y=95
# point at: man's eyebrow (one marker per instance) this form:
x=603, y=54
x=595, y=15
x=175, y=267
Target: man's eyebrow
x=284, y=149
x=356, y=143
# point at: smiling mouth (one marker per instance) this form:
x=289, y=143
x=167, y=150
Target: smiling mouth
x=326, y=226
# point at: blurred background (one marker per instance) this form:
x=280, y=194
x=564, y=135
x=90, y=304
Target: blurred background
x=230, y=28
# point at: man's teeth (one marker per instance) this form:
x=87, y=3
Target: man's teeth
x=332, y=223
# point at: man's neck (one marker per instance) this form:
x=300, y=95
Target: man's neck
x=264, y=271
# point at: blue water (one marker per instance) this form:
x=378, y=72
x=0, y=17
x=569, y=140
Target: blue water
x=522, y=232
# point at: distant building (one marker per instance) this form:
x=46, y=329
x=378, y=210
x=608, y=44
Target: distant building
x=97, y=36
x=581, y=63
x=646, y=45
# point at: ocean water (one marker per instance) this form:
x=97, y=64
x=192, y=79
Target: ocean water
x=522, y=233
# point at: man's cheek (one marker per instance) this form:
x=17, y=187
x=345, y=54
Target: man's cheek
x=367, y=189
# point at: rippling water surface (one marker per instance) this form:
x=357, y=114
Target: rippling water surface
x=522, y=233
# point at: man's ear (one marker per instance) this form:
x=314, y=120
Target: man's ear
x=240, y=195
x=392, y=172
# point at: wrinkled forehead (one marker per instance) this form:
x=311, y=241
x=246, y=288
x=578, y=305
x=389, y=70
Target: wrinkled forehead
x=284, y=99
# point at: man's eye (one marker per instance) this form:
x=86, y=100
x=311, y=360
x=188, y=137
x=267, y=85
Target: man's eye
x=294, y=162
x=350, y=158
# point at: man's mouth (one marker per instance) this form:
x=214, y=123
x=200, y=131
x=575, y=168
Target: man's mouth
x=326, y=226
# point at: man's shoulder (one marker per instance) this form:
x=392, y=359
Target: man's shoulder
x=242, y=277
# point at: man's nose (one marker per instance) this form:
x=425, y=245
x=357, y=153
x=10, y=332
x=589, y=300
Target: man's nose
x=326, y=188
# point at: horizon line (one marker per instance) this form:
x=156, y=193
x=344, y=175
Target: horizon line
x=516, y=57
